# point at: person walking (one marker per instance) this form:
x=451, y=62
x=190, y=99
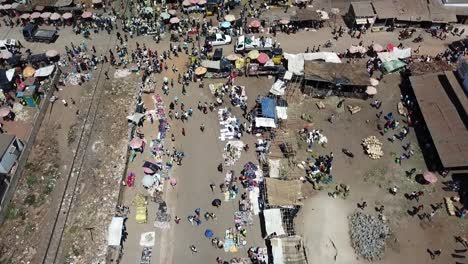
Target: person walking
x=183, y=131
x=177, y=219
x=212, y=186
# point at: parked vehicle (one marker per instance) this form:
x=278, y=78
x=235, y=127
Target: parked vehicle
x=7, y=44
x=33, y=33
x=245, y=44
x=218, y=39
x=459, y=45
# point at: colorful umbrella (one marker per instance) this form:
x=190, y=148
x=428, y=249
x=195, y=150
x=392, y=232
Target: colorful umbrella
x=55, y=16
x=254, y=23
x=51, y=53
x=200, y=70
x=35, y=15
x=148, y=181
x=165, y=15
x=46, y=15
x=230, y=18
x=377, y=47
x=4, y=111
x=373, y=81
x=136, y=143
x=87, y=14
x=148, y=170
x=208, y=233
x=263, y=58
x=6, y=54
x=430, y=177
x=193, y=2
x=28, y=72
x=226, y=24
x=174, y=20
x=67, y=15
x=371, y=90
x=25, y=16
x=253, y=54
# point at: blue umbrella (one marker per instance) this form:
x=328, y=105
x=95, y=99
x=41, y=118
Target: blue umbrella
x=208, y=233
x=226, y=24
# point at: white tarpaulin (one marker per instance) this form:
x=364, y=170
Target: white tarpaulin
x=278, y=88
x=136, y=117
x=282, y=112
x=10, y=73
x=114, y=231
x=273, y=222
x=296, y=61
x=274, y=168
x=394, y=55
x=288, y=75
x=277, y=250
x=44, y=71
x=211, y=64
x=264, y=122
x=253, y=197
x=147, y=239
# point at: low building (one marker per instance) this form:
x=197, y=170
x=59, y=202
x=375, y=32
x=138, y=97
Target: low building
x=341, y=79
x=10, y=150
x=385, y=12
x=360, y=13
x=443, y=106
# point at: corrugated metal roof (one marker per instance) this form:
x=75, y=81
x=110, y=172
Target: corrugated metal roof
x=443, y=119
x=363, y=9
x=385, y=9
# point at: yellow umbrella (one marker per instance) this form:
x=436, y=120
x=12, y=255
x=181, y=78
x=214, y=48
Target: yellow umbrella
x=253, y=54
x=29, y=72
x=232, y=57
x=200, y=70
x=240, y=63
x=229, y=18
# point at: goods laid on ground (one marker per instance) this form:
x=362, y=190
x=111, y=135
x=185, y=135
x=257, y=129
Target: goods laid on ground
x=368, y=235
x=354, y=109
x=320, y=105
x=373, y=147
x=449, y=205
x=401, y=109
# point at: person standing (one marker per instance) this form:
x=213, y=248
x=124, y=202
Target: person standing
x=202, y=127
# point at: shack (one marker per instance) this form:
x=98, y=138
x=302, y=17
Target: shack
x=288, y=250
x=443, y=107
x=360, y=13
x=280, y=193
x=306, y=18
x=386, y=12
x=341, y=79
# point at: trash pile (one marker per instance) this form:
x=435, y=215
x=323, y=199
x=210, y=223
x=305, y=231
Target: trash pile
x=77, y=78
x=121, y=73
x=373, y=147
x=368, y=235
x=315, y=136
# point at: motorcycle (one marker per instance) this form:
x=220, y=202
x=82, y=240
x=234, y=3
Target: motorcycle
x=348, y=153
x=340, y=103
x=328, y=44
x=418, y=39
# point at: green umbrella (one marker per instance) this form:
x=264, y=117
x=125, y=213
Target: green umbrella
x=165, y=15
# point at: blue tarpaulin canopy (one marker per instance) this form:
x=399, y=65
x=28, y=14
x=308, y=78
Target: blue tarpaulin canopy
x=268, y=107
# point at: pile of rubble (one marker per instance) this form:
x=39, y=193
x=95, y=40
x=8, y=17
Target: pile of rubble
x=368, y=235
x=373, y=147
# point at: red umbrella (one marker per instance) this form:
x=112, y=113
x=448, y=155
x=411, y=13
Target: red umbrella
x=390, y=47
x=430, y=177
x=262, y=58
x=255, y=23
x=136, y=143
x=87, y=14
x=4, y=111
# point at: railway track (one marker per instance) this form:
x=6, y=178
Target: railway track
x=50, y=254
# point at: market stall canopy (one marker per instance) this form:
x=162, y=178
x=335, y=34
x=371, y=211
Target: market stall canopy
x=296, y=61
x=208, y=233
x=25, y=16
x=44, y=71
x=278, y=88
x=135, y=118
x=283, y=193
x=268, y=107
x=230, y=18
x=29, y=71
x=211, y=64
x=373, y=81
x=55, y=16
x=87, y=14
x=35, y=15
x=174, y=20
x=136, y=143
x=377, y=47
x=200, y=70
x=233, y=57
x=51, y=53
x=114, y=231
x=370, y=90
x=6, y=54
x=39, y=8
x=10, y=74
x=284, y=250
x=172, y=12
x=67, y=15
x=201, y=2
x=193, y=2
x=282, y=112
x=355, y=49
x=263, y=58
x=5, y=111
x=273, y=222
x=395, y=54
x=393, y=66
x=165, y=15
x=284, y=21
x=306, y=15
x=265, y=122
x=225, y=24
x=430, y=177
x=97, y=1
x=253, y=54
x=46, y=15
x=148, y=181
